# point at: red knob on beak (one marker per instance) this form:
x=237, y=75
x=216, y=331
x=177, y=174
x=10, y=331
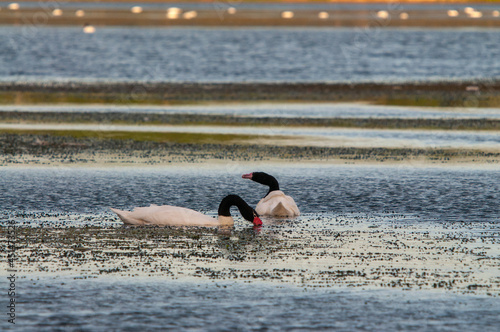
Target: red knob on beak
x=257, y=221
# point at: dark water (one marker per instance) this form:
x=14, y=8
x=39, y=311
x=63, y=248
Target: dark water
x=133, y=304
x=307, y=110
x=249, y=54
x=424, y=194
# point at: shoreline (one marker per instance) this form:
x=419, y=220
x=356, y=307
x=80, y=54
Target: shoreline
x=55, y=145
x=176, y=119
x=62, y=149
x=218, y=16
x=342, y=246
x=470, y=93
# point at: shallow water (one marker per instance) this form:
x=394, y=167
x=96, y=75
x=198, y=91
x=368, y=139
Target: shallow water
x=432, y=194
x=377, y=248
x=323, y=137
x=307, y=110
x=421, y=200
x=155, y=304
x=249, y=54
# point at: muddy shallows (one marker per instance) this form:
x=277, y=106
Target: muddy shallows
x=313, y=251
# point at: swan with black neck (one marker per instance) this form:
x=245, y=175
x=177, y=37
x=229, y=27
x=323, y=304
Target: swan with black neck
x=275, y=203
x=168, y=215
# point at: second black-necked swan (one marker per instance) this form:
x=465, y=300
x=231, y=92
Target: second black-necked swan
x=275, y=203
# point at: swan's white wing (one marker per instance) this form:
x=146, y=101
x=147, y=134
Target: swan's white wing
x=165, y=215
x=277, y=204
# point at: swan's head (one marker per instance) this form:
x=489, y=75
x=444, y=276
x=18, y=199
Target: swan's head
x=263, y=178
x=251, y=215
x=246, y=211
x=256, y=219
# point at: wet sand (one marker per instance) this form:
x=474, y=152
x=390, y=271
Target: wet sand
x=311, y=251
x=219, y=16
x=473, y=93
x=103, y=146
x=52, y=148
x=149, y=118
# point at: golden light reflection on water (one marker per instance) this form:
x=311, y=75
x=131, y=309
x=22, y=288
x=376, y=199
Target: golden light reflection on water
x=136, y=9
x=13, y=6
x=323, y=15
x=57, y=12
x=173, y=13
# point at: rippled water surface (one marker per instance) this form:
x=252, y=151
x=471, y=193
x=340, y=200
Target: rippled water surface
x=451, y=215
x=435, y=194
x=249, y=54
x=460, y=205
x=159, y=305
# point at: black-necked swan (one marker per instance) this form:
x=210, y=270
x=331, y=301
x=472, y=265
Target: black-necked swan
x=275, y=203
x=168, y=215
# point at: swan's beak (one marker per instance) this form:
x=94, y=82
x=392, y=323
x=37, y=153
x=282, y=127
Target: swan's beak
x=247, y=176
x=257, y=221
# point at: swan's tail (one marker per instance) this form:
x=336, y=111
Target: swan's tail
x=127, y=218
x=280, y=210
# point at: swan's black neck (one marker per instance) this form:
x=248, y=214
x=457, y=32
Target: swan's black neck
x=267, y=180
x=246, y=211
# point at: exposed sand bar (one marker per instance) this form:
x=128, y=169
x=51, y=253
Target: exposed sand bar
x=219, y=16
x=473, y=93
x=52, y=148
x=283, y=136
x=332, y=251
x=149, y=118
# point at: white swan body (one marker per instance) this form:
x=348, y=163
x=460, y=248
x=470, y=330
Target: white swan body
x=277, y=204
x=168, y=215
